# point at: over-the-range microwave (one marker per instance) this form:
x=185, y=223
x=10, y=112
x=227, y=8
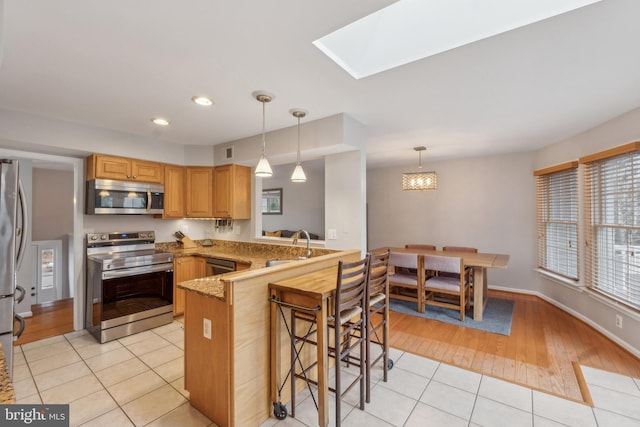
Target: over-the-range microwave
x=107, y=196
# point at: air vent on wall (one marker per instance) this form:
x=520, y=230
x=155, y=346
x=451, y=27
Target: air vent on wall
x=228, y=153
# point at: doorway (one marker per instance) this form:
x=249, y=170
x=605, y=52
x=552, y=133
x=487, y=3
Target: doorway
x=48, y=271
x=48, y=268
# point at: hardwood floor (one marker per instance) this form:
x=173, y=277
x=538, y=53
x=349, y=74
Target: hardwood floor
x=539, y=353
x=48, y=320
x=544, y=344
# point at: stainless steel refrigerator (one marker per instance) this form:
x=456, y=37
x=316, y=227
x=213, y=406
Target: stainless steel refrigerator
x=12, y=246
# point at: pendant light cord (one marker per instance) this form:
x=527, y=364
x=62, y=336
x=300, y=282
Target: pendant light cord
x=298, y=161
x=264, y=140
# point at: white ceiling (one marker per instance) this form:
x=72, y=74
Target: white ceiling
x=115, y=64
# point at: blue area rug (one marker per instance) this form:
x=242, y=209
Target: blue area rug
x=496, y=318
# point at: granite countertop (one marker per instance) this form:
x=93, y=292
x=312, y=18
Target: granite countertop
x=6, y=389
x=211, y=286
x=254, y=254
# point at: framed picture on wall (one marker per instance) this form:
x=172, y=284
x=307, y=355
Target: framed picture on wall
x=272, y=201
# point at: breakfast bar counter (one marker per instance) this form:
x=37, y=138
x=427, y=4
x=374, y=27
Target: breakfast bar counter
x=227, y=338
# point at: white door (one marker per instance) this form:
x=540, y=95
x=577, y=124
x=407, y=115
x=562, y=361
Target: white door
x=48, y=270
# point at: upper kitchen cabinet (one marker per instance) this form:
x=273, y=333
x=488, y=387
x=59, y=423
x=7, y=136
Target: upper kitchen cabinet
x=199, y=192
x=123, y=169
x=174, y=187
x=232, y=192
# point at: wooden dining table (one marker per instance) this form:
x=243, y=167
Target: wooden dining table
x=480, y=262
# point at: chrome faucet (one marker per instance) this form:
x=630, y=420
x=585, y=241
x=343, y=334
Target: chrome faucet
x=306, y=235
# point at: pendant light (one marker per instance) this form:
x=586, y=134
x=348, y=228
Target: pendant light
x=298, y=173
x=263, y=169
x=419, y=181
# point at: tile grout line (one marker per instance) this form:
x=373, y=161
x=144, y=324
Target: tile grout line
x=101, y=383
x=104, y=387
x=142, y=395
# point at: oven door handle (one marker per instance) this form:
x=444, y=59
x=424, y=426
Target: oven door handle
x=136, y=271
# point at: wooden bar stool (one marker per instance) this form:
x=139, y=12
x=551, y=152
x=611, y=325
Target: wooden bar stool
x=378, y=315
x=346, y=324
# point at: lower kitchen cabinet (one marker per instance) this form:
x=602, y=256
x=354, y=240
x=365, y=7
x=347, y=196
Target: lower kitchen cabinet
x=185, y=268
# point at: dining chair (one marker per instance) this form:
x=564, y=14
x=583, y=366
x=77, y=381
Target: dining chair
x=378, y=316
x=462, y=249
x=406, y=278
x=421, y=246
x=446, y=291
x=418, y=246
x=346, y=324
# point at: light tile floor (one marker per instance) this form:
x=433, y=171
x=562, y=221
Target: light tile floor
x=138, y=381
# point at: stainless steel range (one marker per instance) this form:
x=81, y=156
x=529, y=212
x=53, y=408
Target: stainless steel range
x=129, y=284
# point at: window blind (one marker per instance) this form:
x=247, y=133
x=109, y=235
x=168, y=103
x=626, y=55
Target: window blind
x=557, y=219
x=612, y=223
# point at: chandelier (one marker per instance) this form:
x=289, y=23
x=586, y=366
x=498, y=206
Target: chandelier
x=419, y=181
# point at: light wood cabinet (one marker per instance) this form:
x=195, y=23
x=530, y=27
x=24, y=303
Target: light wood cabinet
x=232, y=192
x=147, y=171
x=123, y=169
x=185, y=268
x=174, y=186
x=199, y=192
x=242, y=266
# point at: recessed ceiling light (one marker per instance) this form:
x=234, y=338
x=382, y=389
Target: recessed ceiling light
x=160, y=121
x=409, y=30
x=202, y=100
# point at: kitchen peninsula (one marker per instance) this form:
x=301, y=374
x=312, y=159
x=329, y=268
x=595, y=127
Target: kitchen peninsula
x=227, y=332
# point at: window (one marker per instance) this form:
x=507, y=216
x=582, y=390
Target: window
x=612, y=223
x=557, y=225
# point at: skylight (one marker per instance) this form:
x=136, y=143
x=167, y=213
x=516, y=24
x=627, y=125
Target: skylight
x=409, y=30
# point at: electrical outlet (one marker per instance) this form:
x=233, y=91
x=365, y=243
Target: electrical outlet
x=185, y=229
x=619, y=321
x=332, y=234
x=206, y=328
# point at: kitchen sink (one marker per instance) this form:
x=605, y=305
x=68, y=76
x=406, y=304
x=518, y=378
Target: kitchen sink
x=277, y=261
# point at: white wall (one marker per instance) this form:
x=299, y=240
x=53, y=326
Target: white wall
x=484, y=202
x=50, y=136
x=345, y=187
x=303, y=202
x=52, y=204
x=587, y=305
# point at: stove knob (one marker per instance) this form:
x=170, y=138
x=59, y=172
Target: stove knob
x=144, y=235
x=103, y=237
x=108, y=266
x=94, y=237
